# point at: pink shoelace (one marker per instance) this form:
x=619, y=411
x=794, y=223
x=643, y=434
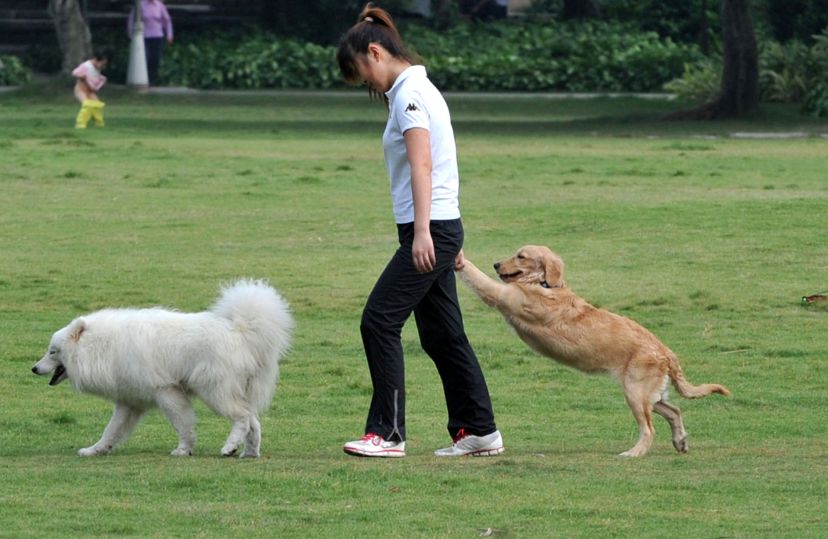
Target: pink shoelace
x=375, y=439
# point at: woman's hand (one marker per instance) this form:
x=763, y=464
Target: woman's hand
x=423, y=252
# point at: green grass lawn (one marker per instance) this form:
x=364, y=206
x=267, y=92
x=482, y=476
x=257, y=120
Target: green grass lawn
x=709, y=241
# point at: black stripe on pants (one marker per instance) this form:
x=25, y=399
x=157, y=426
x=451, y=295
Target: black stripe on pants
x=432, y=297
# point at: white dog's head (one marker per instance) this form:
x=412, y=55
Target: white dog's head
x=55, y=359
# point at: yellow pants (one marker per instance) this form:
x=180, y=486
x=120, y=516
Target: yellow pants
x=90, y=108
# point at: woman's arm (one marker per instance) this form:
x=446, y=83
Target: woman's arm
x=418, y=148
x=166, y=21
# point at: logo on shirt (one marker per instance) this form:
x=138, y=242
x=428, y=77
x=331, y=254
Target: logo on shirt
x=411, y=108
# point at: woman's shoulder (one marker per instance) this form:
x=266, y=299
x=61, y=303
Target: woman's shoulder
x=419, y=89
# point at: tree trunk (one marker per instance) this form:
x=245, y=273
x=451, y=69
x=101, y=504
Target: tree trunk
x=581, y=9
x=739, y=95
x=73, y=35
x=740, y=73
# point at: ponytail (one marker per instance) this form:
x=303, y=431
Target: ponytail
x=374, y=25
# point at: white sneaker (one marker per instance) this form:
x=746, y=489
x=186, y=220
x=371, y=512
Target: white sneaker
x=476, y=446
x=372, y=445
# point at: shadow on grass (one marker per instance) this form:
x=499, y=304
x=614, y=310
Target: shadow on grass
x=628, y=126
x=602, y=126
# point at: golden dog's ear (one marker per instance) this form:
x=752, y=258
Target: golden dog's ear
x=553, y=271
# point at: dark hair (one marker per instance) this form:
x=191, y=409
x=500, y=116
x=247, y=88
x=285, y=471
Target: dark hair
x=374, y=25
x=102, y=54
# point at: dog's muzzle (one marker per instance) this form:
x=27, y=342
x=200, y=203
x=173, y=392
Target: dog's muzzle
x=58, y=375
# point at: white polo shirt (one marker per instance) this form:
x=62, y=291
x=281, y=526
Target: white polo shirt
x=415, y=102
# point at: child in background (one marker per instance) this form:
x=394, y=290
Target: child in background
x=88, y=80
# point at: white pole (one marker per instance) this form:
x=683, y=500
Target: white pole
x=137, y=70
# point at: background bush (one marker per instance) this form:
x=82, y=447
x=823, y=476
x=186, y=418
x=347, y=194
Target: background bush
x=502, y=56
x=816, y=98
x=594, y=56
x=680, y=20
x=252, y=60
x=637, y=46
x=12, y=71
x=700, y=82
x=788, y=73
x=793, y=19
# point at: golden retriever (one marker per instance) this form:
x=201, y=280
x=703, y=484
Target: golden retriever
x=555, y=322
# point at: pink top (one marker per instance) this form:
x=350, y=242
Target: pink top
x=90, y=74
x=157, y=22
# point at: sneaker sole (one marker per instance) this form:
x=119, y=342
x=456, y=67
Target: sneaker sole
x=478, y=453
x=487, y=452
x=381, y=454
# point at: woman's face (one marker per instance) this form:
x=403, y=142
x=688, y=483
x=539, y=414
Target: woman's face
x=371, y=73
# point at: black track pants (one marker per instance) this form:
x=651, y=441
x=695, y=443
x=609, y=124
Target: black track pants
x=433, y=299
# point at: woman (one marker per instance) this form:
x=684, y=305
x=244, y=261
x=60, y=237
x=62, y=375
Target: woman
x=157, y=27
x=421, y=159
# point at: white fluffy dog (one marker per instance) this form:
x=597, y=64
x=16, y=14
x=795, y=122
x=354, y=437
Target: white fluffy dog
x=141, y=358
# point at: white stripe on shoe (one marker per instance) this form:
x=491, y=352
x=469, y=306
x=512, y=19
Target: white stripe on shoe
x=476, y=446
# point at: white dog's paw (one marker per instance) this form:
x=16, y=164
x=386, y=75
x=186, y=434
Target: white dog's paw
x=181, y=452
x=250, y=454
x=93, y=451
x=229, y=450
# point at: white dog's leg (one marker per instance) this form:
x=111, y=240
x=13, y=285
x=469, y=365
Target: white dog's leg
x=253, y=439
x=177, y=407
x=241, y=426
x=123, y=422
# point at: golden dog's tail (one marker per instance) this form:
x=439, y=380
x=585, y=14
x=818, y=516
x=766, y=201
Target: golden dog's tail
x=685, y=388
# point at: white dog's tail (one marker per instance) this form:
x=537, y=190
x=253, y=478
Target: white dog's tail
x=259, y=313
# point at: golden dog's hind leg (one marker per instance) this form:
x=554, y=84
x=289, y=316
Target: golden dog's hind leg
x=644, y=384
x=642, y=410
x=672, y=414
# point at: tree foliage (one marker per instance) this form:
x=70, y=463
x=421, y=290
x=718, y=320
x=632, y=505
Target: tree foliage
x=794, y=19
x=12, y=71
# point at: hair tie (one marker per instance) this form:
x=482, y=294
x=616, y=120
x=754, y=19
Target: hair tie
x=368, y=19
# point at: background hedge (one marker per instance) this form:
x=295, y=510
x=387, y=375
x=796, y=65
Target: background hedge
x=12, y=71
x=791, y=72
x=568, y=57
x=503, y=56
x=636, y=54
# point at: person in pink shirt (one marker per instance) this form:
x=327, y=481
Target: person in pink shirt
x=157, y=28
x=88, y=80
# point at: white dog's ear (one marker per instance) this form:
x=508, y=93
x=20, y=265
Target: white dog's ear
x=553, y=271
x=76, y=329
